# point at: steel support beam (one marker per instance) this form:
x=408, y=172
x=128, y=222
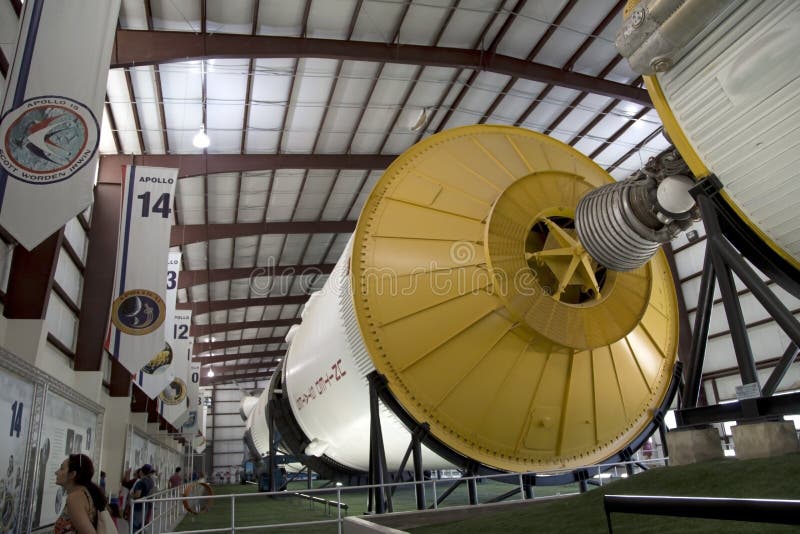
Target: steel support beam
x=194, y=233
x=378, y=473
x=199, y=348
x=774, y=380
x=209, y=306
x=210, y=329
x=98, y=277
x=208, y=360
x=777, y=405
x=31, y=278
x=254, y=366
x=203, y=164
x=187, y=279
x=694, y=370
x=209, y=381
x=136, y=47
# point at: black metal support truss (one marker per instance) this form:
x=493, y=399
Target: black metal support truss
x=378, y=473
x=721, y=262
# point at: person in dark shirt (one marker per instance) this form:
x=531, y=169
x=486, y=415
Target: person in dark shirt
x=142, y=488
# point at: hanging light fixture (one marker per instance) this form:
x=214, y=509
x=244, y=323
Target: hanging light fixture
x=210, y=373
x=200, y=139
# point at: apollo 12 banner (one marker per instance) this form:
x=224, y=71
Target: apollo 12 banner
x=138, y=311
x=50, y=125
x=174, y=400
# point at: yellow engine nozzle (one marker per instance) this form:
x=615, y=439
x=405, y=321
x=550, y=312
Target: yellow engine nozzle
x=489, y=320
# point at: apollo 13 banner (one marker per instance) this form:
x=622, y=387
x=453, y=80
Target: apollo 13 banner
x=159, y=372
x=174, y=400
x=138, y=311
x=50, y=125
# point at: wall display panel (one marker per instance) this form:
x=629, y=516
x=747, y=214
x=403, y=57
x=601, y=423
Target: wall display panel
x=67, y=428
x=41, y=421
x=16, y=405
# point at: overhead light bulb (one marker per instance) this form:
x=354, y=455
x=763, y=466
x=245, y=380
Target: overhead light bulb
x=210, y=373
x=200, y=139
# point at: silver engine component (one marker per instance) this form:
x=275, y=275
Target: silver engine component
x=622, y=224
x=656, y=33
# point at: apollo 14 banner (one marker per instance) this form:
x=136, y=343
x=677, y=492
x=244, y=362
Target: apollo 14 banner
x=138, y=311
x=174, y=400
x=50, y=129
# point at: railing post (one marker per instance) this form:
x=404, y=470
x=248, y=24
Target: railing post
x=233, y=513
x=435, y=498
x=339, y=507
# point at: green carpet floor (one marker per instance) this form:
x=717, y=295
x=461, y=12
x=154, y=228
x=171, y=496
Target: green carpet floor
x=760, y=478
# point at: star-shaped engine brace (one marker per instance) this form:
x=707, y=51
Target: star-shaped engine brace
x=567, y=259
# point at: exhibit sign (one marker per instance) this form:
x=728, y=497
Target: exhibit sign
x=16, y=405
x=50, y=125
x=138, y=311
x=67, y=428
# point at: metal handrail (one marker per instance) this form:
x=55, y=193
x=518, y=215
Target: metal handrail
x=519, y=478
x=780, y=511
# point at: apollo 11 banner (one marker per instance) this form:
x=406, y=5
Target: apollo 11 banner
x=136, y=334
x=174, y=400
x=50, y=126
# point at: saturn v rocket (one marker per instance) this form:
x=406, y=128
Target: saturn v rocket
x=512, y=295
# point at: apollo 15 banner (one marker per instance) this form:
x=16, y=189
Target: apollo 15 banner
x=51, y=112
x=157, y=374
x=138, y=311
x=174, y=400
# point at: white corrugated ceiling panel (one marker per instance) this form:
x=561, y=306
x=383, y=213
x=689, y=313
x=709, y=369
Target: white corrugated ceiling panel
x=183, y=104
x=379, y=115
x=423, y=21
x=468, y=19
x=372, y=179
x=270, y=249
x=144, y=87
x=279, y=17
x=433, y=81
x=344, y=190
x=330, y=20
x=315, y=192
x=285, y=189
x=316, y=249
x=293, y=249
x=550, y=108
x=272, y=78
x=253, y=195
x=191, y=205
x=477, y=99
x=519, y=97
x=176, y=15
x=220, y=253
x=107, y=144
x=226, y=82
x=132, y=15
x=222, y=197
x=244, y=254
x=376, y=21
x=529, y=27
x=230, y=16
x=350, y=95
x=311, y=89
x=120, y=99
